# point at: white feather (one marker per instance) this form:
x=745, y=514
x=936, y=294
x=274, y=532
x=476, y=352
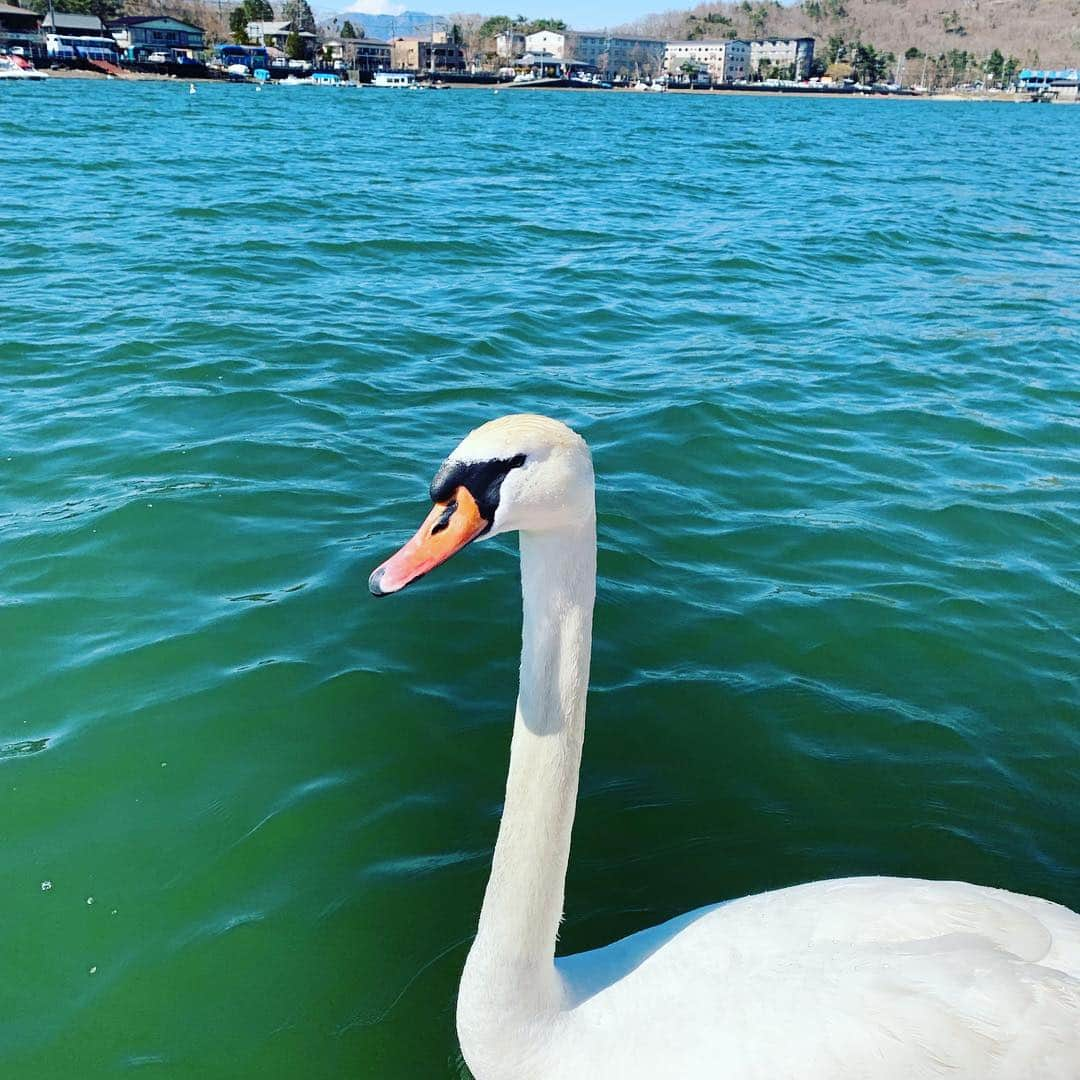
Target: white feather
x=857, y=978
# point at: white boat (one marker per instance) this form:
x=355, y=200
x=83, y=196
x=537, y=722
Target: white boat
x=396, y=80
x=15, y=67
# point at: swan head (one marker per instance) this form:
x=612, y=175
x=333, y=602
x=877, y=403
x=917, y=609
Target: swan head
x=522, y=472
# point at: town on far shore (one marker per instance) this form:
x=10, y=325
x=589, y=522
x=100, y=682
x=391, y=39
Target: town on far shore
x=514, y=53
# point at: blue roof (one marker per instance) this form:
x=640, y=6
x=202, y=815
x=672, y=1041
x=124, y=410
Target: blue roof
x=1039, y=73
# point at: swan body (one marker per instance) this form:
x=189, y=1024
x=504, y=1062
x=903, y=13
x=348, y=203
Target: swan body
x=863, y=978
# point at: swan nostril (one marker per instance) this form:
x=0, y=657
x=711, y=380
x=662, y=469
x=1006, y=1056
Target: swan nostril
x=443, y=521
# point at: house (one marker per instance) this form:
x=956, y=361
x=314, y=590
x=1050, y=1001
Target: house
x=72, y=25
x=77, y=37
x=547, y=41
x=509, y=43
x=137, y=36
x=359, y=54
x=20, y=32
x=275, y=35
x=427, y=54
x=791, y=56
x=713, y=61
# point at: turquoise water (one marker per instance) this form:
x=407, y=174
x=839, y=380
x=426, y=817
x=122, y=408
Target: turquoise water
x=826, y=355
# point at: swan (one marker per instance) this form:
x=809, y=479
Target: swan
x=870, y=977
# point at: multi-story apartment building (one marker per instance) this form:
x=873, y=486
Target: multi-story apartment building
x=618, y=55
x=724, y=61
x=788, y=54
x=424, y=54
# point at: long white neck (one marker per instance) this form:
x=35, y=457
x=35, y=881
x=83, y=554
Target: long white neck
x=510, y=974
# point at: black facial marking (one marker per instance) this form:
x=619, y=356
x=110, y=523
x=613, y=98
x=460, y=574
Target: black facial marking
x=482, y=478
x=444, y=520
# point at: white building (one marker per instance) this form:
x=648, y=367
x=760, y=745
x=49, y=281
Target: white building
x=509, y=43
x=794, y=54
x=619, y=55
x=723, y=61
x=547, y=41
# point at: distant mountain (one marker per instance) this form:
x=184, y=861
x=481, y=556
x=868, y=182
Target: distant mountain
x=386, y=27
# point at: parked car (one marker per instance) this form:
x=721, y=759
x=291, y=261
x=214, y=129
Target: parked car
x=158, y=58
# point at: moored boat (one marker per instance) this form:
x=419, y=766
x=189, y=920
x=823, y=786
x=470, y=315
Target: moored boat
x=17, y=67
x=395, y=80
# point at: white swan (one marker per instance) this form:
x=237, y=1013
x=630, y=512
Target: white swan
x=853, y=978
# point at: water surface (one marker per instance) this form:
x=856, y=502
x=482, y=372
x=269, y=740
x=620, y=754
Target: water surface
x=826, y=355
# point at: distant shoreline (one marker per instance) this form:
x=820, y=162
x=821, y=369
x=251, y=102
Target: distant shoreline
x=140, y=76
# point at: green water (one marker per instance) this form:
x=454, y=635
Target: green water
x=826, y=356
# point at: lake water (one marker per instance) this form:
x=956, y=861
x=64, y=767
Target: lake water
x=826, y=353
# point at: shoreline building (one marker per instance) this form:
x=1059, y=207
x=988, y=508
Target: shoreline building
x=619, y=55
x=77, y=37
x=427, y=54
x=509, y=43
x=1034, y=79
x=137, y=36
x=724, y=61
x=796, y=54
x=275, y=35
x=361, y=54
x=20, y=32
x=547, y=43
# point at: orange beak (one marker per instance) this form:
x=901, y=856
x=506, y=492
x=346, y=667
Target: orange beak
x=447, y=529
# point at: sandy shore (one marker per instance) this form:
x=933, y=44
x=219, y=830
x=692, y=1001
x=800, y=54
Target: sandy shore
x=129, y=76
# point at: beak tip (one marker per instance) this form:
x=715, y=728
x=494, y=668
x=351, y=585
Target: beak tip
x=375, y=582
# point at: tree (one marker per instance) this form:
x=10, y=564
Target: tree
x=995, y=65
x=869, y=65
x=348, y=30
x=913, y=54
x=496, y=25
x=557, y=25
x=835, y=50
x=455, y=35
x=299, y=13
x=238, y=21
x=689, y=69
x=103, y=9
x=258, y=11
x=294, y=47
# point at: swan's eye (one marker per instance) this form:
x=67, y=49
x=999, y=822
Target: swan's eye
x=483, y=479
